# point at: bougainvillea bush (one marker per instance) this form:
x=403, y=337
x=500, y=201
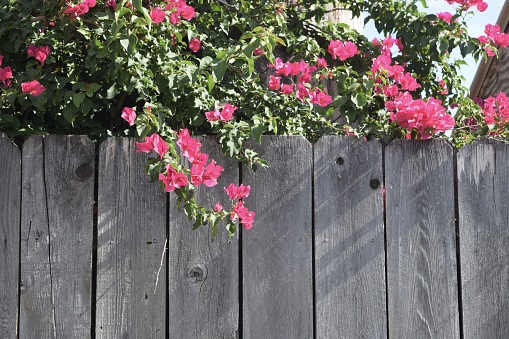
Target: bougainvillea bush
x=167, y=71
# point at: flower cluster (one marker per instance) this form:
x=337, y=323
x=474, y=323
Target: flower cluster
x=75, y=11
x=496, y=110
x=304, y=71
x=239, y=211
x=342, y=50
x=426, y=116
x=466, y=4
x=40, y=54
x=177, y=10
x=225, y=115
x=5, y=74
x=494, y=37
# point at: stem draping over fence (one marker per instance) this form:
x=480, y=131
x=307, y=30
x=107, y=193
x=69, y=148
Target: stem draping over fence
x=352, y=239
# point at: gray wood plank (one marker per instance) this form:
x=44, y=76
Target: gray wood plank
x=350, y=293
x=276, y=253
x=204, y=275
x=56, y=237
x=421, y=250
x=131, y=231
x=10, y=194
x=483, y=191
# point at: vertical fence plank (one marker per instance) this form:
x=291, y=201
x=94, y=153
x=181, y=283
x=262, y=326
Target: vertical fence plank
x=483, y=190
x=276, y=252
x=10, y=186
x=349, y=239
x=203, y=275
x=421, y=243
x=56, y=237
x=131, y=235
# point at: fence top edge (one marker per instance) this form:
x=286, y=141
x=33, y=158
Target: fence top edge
x=5, y=140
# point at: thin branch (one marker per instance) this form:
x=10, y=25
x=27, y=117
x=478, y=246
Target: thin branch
x=160, y=265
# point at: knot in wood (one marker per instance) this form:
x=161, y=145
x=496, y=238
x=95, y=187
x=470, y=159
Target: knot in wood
x=374, y=183
x=340, y=161
x=84, y=171
x=197, y=273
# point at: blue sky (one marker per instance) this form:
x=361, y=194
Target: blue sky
x=475, y=24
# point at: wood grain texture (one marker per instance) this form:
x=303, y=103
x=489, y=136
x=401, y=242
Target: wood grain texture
x=56, y=237
x=483, y=191
x=204, y=275
x=10, y=194
x=276, y=252
x=131, y=233
x=350, y=290
x=497, y=77
x=421, y=250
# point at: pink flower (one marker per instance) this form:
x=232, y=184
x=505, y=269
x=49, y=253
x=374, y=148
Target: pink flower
x=427, y=116
x=320, y=98
x=237, y=192
x=190, y=147
x=212, y=172
x=32, y=87
x=321, y=62
x=302, y=92
x=446, y=16
x=129, y=115
x=40, y=54
x=274, y=83
x=153, y=142
x=225, y=115
x=157, y=14
x=5, y=74
x=173, y=179
x=286, y=89
x=194, y=45
x=342, y=50
x=218, y=208
x=246, y=216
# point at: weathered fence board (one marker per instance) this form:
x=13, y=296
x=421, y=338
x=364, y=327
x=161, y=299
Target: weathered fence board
x=349, y=239
x=131, y=235
x=483, y=190
x=204, y=275
x=56, y=237
x=421, y=240
x=277, y=252
x=10, y=194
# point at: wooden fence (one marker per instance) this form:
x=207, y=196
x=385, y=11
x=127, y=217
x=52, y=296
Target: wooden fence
x=82, y=237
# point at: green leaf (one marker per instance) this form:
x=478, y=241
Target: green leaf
x=78, y=98
x=359, y=99
x=69, y=113
x=133, y=42
x=86, y=106
x=257, y=132
x=219, y=67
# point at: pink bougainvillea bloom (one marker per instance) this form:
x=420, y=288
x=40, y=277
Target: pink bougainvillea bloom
x=227, y=112
x=187, y=12
x=32, y=50
x=342, y=50
x=145, y=146
x=274, y=83
x=286, y=89
x=246, y=217
x=189, y=146
x=159, y=145
x=304, y=78
x=218, y=208
x=225, y=115
x=321, y=62
x=5, y=73
x=42, y=54
x=157, y=15
x=197, y=174
x=212, y=172
x=237, y=192
x=129, y=115
x=33, y=87
x=214, y=115
x=445, y=16
x=194, y=45
x=408, y=82
x=390, y=90
x=320, y=98
x=173, y=179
